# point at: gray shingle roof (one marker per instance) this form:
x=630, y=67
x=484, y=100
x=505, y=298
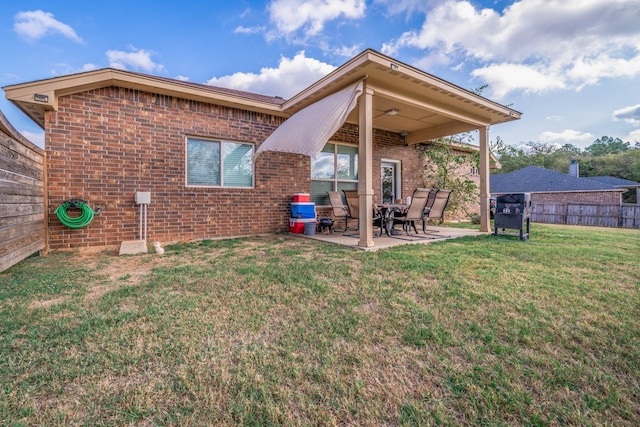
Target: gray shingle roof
x=534, y=179
x=616, y=182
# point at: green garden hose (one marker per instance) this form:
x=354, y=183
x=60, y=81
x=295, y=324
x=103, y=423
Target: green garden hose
x=83, y=220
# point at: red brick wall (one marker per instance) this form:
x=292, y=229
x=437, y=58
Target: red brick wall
x=585, y=197
x=389, y=145
x=106, y=144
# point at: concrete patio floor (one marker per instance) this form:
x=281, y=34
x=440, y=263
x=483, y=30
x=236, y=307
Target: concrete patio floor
x=383, y=242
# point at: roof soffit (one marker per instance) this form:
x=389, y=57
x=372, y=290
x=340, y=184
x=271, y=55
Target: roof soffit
x=24, y=95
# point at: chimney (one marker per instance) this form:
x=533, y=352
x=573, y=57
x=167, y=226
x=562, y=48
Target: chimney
x=574, y=168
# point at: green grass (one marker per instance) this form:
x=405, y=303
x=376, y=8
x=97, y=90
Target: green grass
x=286, y=331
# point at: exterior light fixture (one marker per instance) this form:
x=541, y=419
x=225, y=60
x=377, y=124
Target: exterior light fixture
x=392, y=112
x=40, y=98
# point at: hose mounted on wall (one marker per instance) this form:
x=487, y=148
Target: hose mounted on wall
x=86, y=215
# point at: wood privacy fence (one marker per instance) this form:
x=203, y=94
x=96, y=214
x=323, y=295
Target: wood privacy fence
x=619, y=216
x=22, y=196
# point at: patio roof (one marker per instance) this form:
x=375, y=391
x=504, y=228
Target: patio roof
x=422, y=105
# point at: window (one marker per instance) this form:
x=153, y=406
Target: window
x=335, y=169
x=219, y=163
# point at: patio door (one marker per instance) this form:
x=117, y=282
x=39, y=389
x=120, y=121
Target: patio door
x=390, y=181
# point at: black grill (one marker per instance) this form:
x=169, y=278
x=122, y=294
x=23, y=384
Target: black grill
x=513, y=211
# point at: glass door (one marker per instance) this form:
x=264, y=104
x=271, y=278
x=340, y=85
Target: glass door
x=389, y=188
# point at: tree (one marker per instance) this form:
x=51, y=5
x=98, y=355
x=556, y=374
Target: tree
x=607, y=145
x=442, y=171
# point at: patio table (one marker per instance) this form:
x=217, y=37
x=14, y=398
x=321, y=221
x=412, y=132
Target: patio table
x=387, y=209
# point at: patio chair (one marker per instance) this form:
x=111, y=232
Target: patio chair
x=415, y=211
x=353, y=203
x=339, y=209
x=430, y=200
x=436, y=212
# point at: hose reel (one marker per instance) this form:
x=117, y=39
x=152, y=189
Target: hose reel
x=85, y=217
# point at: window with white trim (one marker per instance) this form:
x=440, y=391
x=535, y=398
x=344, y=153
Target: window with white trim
x=334, y=169
x=217, y=163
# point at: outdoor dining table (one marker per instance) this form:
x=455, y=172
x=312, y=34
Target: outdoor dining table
x=387, y=209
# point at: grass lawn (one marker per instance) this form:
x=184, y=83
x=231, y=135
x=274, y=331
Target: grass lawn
x=286, y=331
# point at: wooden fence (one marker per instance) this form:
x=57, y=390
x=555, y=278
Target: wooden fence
x=22, y=196
x=619, y=216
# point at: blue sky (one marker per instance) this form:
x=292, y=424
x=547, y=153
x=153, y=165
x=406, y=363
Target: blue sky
x=572, y=67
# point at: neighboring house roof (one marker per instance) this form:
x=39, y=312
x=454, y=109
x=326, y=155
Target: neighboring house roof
x=616, y=182
x=534, y=179
x=424, y=106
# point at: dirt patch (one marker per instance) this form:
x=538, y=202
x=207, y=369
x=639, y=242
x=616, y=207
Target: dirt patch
x=48, y=302
x=121, y=271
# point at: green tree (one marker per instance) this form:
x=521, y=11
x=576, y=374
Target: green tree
x=443, y=164
x=607, y=145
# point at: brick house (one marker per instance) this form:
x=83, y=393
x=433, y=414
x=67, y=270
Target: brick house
x=550, y=187
x=110, y=133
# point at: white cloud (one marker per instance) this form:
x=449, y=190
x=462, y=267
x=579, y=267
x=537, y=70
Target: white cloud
x=629, y=114
x=432, y=59
x=138, y=59
x=567, y=135
x=634, y=136
x=310, y=16
x=182, y=78
x=573, y=42
x=290, y=77
x=248, y=30
x=407, y=6
x=589, y=71
x=35, y=24
x=348, y=51
x=35, y=137
x=63, y=68
x=505, y=78
x=89, y=67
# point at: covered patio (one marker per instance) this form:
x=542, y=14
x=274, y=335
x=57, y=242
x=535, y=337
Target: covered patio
x=384, y=241
x=375, y=91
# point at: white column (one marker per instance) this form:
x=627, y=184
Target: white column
x=484, y=179
x=365, y=167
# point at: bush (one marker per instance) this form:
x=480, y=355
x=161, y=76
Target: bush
x=475, y=218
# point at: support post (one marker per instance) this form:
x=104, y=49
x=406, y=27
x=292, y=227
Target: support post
x=484, y=179
x=365, y=166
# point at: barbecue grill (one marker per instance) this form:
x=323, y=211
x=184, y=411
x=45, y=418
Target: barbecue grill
x=513, y=211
